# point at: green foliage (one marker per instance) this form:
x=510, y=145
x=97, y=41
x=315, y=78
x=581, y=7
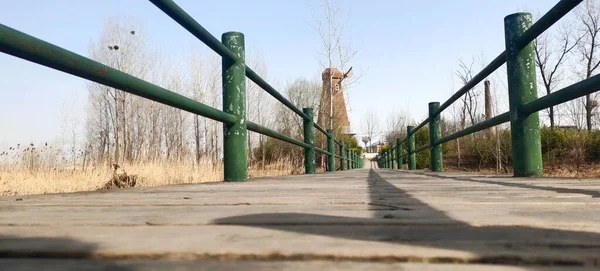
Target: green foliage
x=352, y=143
x=572, y=145
x=423, y=157
x=384, y=149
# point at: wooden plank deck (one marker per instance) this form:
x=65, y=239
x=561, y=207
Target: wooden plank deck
x=352, y=220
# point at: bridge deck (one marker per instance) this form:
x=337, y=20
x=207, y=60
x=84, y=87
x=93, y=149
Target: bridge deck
x=362, y=219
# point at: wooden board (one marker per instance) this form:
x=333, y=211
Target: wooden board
x=371, y=217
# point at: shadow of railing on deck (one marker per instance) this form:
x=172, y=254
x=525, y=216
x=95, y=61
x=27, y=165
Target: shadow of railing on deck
x=16, y=253
x=592, y=193
x=416, y=223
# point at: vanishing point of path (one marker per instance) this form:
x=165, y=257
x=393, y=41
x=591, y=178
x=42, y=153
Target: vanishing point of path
x=367, y=219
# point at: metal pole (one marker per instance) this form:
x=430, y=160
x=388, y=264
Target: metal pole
x=392, y=158
x=235, y=136
x=399, y=152
x=309, y=138
x=385, y=159
x=343, y=155
x=412, y=162
x=389, y=159
x=524, y=129
x=350, y=159
x=331, y=150
x=347, y=160
x=435, y=132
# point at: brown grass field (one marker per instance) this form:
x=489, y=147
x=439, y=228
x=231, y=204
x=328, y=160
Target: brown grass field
x=19, y=181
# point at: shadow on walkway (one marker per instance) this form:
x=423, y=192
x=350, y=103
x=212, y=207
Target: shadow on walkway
x=429, y=227
x=593, y=193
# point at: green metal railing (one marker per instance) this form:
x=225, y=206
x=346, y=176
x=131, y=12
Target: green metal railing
x=523, y=102
x=233, y=116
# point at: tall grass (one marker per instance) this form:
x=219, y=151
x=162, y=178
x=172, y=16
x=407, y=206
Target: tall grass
x=19, y=180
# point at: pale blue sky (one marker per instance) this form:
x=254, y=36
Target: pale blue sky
x=409, y=49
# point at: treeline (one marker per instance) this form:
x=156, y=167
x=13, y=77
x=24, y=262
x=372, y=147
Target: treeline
x=121, y=128
x=565, y=54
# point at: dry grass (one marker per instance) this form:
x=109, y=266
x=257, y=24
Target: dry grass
x=561, y=170
x=18, y=181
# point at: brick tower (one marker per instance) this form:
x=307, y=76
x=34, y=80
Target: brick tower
x=339, y=118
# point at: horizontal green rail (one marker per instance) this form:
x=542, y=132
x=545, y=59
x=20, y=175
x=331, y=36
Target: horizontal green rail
x=268, y=132
x=321, y=129
x=235, y=72
x=339, y=143
x=523, y=101
x=502, y=118
x=566, y=94
x=186, y=21
x=322, y=151
x=551, y=17
x=422, y=148
x=21, y=45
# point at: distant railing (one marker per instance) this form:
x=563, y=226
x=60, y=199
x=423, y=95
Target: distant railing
x=233, y=116
x=523, y=101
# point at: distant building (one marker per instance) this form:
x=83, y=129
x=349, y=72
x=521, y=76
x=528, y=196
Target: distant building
x=339, y=118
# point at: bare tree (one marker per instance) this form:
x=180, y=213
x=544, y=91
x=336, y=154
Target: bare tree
x=337, y=50
x=259, y=105
x=198, y=93
x=470, y=99
x=396, y=125
x=588, y=16
x=549, y=59
x=303, y=93
x=576, y=113
x=370, y=125
x=122, y=46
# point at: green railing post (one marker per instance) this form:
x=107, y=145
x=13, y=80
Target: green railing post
x=412, y=162
x=399, y=152
x=343, y=155
x=520, y=67
x=435, y=132
x=309, y=138
x=392, y=157
x=331, y=150
x=386, y=160
x=235, y=136
x=389, y=158
x=348, y=159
